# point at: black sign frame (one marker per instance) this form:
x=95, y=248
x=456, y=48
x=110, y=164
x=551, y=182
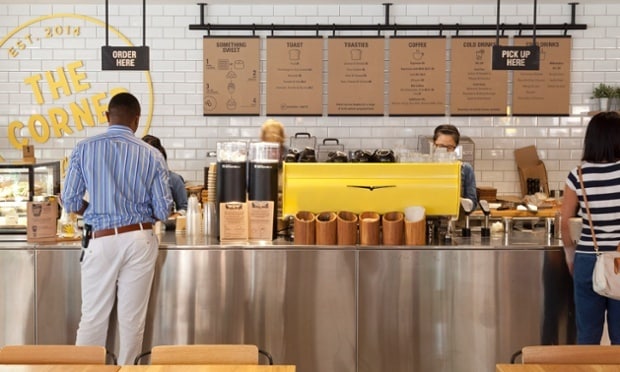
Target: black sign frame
x=516, y=57
x=125, y=58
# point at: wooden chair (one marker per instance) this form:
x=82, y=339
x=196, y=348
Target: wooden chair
x=571, y=354
x=52, y=354
x=203, y=354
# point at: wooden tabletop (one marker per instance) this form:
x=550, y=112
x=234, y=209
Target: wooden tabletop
x=558, y=368
x=208, y=368
x=542, y=212
x=58, y=368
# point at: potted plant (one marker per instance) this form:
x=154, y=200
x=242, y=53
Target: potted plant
x=603, y=92
x=614, y=104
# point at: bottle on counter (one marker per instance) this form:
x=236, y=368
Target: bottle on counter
x=209, y=223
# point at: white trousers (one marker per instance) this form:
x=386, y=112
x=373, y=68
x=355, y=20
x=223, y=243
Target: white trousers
x=120, y=266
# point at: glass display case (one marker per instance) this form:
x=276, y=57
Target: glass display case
x=21, y=183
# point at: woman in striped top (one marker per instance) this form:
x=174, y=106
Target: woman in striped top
x=601, y=176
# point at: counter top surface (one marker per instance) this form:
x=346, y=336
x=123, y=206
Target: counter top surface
x=522, y=240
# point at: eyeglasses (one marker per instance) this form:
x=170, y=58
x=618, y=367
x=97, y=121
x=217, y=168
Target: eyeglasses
x=447, y=147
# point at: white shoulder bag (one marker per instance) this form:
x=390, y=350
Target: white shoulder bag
x=606, y=274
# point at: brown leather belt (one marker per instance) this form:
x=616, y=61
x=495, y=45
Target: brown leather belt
x=122, y=229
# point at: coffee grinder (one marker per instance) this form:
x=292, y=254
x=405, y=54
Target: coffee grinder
x=485, y=231
x=468, y=207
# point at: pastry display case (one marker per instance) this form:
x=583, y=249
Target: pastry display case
x=21, y=183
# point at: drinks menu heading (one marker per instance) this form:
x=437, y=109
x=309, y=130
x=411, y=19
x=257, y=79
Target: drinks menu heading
x=231, y=76
x=547, y=90
x=356, y=76
x=475, y=88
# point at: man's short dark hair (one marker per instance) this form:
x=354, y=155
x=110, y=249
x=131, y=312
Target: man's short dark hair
x=124, y=104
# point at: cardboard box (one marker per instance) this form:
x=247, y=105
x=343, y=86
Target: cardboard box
x=42, y=221
x=28, y=154
x=530, y=166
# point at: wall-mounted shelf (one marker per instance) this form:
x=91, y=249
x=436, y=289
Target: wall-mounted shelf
x=387, y=26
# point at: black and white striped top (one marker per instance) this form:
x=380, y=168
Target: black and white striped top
x=602, y=183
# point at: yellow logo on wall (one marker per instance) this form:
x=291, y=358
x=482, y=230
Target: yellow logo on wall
x=63, y=98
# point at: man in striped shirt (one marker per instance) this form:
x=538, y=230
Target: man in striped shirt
x=127, y=185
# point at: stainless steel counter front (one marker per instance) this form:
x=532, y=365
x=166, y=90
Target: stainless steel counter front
x=460, y=306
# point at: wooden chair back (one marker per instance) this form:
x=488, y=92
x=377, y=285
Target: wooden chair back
x=204, y=354
x=571, y=354
x=52, y=354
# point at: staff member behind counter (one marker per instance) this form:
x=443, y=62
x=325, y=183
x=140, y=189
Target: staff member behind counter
x=177, y=183
x=447, y=136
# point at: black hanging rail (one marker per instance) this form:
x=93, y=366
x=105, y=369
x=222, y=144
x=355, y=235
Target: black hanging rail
x=565, y=27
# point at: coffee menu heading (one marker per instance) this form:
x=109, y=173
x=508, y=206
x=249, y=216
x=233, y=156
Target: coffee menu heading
x=420, y=76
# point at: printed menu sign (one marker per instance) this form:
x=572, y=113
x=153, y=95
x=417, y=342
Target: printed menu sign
x=295, y=76
x=417, y=76
x=476, y=89
x=231, y=76
x=547, y=90
x=356, y=75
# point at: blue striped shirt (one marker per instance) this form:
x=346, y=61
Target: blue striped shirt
x=602, y=183
x=126, y=180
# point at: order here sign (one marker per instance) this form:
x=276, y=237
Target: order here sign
x=125, y=58
x=516, y=57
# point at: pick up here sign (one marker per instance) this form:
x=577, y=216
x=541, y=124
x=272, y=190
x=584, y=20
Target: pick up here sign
x=516, y=57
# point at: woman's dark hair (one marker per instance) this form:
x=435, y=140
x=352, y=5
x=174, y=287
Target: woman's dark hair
x=155, y=142
x=602, y=141
x=447, y=130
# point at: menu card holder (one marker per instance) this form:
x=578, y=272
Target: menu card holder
x=347, y=228
x=369, y=228
x=326, y=228
x=304, y=228
x=393, y=225
x=415, y=232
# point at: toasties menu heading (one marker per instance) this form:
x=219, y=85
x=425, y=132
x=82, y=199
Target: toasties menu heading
x=356, y=76
x=476, y=89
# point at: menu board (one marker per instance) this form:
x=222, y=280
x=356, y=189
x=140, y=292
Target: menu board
x=476, y=89
x=356, y=76
x=231, y=76
x=547, y=90
x=417, y=76
x=295, y=76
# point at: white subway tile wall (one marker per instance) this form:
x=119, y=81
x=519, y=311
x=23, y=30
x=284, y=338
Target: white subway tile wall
x=175, y=79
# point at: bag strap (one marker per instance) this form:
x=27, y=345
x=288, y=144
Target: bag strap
x=585, y=201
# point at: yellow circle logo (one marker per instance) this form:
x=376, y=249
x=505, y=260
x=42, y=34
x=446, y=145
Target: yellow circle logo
x=60, y=98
